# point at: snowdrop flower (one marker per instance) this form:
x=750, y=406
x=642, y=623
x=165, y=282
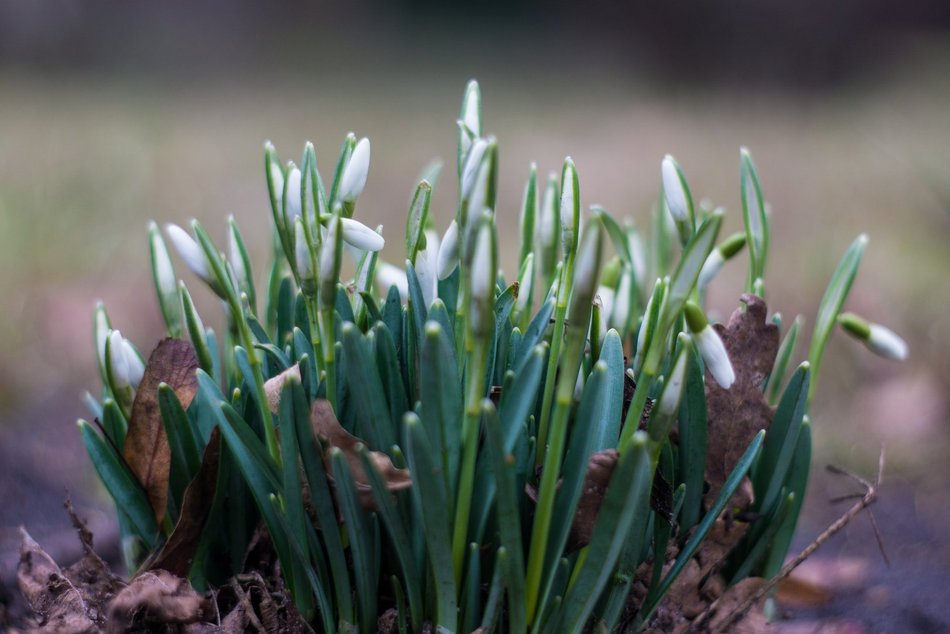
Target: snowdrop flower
x=674, y=189
x=276, y=178
x=360, y=236
x=879, y=339
x=302, y=255
x=448, y=251
x=102, y=329
x=478, y=200
x=190, y=251
x=389, y=275
x=710, y=346
x=354, y=175
x=330, y=253
x=569, y=206
x=619, y=311
x=473, y=163
x=471, y=105
x=718, y=257
x=673, y=387
x=525, y=285
x=127, y=366
x=162, y=266
x=293, y=193
x=548, y=226
x=427, y=263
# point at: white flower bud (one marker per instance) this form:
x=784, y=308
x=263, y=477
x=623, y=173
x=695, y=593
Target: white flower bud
x=673, y=388
x=478, y=200
x=164, y=271
x=427, y=263
x=448, y=251
x=354, y=175
x=886, y=343
x=674, y=191
x=568, y=202
x=482, y=267
x=525, y=284
x=293, y=194
x=328, y=272
x=118, y=359
x=471, y=168
x=135, y=364
x=102, y=328
x=302, y=252
x=235, y=258
x=547, y=226
x=715, y=356
x=361, y=236
x=190, y=251
x=711, y=268
x=388, y=275
x=277, y=180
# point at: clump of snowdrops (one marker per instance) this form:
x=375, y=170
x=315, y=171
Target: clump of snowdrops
x=433, y=441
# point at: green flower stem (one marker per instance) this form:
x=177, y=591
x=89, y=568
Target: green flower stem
x=552, y=465
x=329, y=353
x=473, y=398
x=560, y=312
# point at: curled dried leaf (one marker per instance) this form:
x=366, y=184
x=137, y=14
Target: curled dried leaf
x=275, y=385
x=146, y=449
x=328, y=430
x=155, y=597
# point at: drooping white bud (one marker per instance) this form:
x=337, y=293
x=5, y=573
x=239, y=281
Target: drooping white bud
x=887, y=343
x=448, y=251
x=361, y=236
x=354, y=175
x=673, y=388
x=715, y=356
x=711, y=268
x=135, y=364
x=190, y=251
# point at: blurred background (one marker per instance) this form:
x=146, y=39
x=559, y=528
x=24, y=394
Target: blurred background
x=115, y=113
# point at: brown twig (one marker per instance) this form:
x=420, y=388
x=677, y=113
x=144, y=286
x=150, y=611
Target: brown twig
x=870, y=495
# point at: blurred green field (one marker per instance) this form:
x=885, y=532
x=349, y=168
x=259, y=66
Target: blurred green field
x=87, y=159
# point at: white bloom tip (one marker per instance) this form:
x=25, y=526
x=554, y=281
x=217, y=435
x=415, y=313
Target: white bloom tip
x=361, y=236
x=674, y=190
x=354, y=174
x=189, y=250
x=717, y=359
x=887, y=343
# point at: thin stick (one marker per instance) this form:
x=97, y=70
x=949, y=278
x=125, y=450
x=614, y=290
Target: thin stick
x=870, y=495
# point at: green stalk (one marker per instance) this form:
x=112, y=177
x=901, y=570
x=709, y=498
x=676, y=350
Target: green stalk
x=329, y=353
x=473, y=398
x=560, y=312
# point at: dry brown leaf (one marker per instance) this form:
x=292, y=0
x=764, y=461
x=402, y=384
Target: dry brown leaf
x=155, y=597
x=600, y=466
x=736, y=415
x=327, y=428
x=275, y=385
x=146, y=447
x=178, y=551
x=51, y=595
x=753, y=621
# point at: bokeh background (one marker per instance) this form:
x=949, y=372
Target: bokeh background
x=114, y=113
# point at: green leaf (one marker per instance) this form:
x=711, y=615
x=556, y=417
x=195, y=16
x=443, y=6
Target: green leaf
x=518, y=401
x=430, y=496
x=529, y=212
x=440, y=392
x=616, y=233
x=508, y=517
x=398, y=537
x=362, y=547
x=363, y=381
x=627, y=496
x=796, y=483
x=125, y=490
x=831, y=303
x=693, y=443
x=782, y=361
x=186, y=458
x=387, y=361
x=754, y=216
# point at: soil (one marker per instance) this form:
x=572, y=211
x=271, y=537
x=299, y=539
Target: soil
x=846, y=587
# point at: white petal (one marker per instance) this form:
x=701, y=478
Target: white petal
x=388, y=275
x=716, y=358
x=673, y=389
x=136, y=367
x=328, y=253
x=118, y=360
x=102, y=331
x=546, y=225
x=302, y=252
x=525, y=284
x=189, y=250
x=164, y=271
x=293, y=194
x=673, y=190
x=472, y=164
x=887, y=343
x=449, y=251
x=361, y=236
x=235, y=259
x=277, y=179
x=482, y=273
x=354, y=175
x=567, y=209
x=711, y=268
x=427, y=264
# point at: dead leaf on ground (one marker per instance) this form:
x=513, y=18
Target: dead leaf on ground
x=155, y=597
x=146, y=447
x=178, y=551
x=736, y=415
x=327, y=428
x=53, y=597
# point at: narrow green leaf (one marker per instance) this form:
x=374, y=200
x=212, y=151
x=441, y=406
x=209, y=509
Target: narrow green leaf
x=430, y=495
x=440, y=392
x=364, y=382
x=518, y=401
x=796, y=483
x=185, y=456
x=125, y=490
x=754, y=217
x=417, y=219
x=692, y=443
x=782, y=361
x=295, y=412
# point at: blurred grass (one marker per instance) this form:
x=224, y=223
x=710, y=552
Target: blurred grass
x=87, y=159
